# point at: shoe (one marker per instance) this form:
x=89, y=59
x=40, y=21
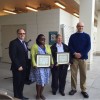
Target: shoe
x=16, y=98
x=42, y=97
x=72, y=92
x=53, y=92
x=85, y=95
x=62, y=93
x=38, y=97
x=25, y=98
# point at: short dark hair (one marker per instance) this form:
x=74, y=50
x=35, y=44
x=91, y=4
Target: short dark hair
x=38, y=38
x=20, y=29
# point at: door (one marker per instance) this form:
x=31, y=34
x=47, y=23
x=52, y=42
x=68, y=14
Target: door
x=8, y=33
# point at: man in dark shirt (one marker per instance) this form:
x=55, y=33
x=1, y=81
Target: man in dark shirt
x=79, y=44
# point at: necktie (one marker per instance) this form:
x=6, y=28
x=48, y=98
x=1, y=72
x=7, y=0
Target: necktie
x=24, y=45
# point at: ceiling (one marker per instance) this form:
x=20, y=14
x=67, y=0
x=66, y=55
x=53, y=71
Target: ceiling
x=97, y=6
x=18, y=6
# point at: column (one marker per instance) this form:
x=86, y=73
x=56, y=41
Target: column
x=98, y=35
x=0, y=45
x=87, y=16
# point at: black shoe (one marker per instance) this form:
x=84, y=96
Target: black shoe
x=72, y=92
x=25, y=98
x=42, y=97
x=85, y=95
x=62, y=93
x=53, y=92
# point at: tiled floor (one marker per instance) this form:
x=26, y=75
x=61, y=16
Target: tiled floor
x=93, y=84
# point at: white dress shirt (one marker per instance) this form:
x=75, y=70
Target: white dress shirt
x=59, y=47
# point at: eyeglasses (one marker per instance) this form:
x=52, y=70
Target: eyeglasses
x=42, y=39
x=80, y=26
x=21, y=33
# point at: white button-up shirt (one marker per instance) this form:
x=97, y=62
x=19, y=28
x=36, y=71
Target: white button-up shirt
x=59, y=48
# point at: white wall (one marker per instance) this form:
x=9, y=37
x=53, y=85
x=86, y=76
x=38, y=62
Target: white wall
x=41, y=22
x=48, y=21
x=51, y=20
x=68, y=19
x=98, y=34
x=28, y=18
x=94, y=39
x=36, y=23
x=67, y=24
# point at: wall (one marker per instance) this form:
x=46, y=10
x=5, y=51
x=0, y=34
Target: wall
x=68, y=19
x=41, y=22
x=98, y=34
x=67, y=24
x=48, y=21
x=36, y=23
x=27, y=18
x=94, y=39
x=51, y=20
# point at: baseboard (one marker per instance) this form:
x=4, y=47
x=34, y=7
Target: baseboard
x=97, y=53
x=89, y=65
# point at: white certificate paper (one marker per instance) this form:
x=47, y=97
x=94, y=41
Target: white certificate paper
x=43, y=60
x=62, y=58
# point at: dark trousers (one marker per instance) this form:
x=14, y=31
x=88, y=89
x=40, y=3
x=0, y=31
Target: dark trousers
x=28, y=70
x=59, y=74
x=18, y=83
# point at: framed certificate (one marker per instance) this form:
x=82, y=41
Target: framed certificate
x=43, y=60
x=62, y=58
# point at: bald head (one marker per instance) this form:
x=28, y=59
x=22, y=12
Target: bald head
x=80, y=26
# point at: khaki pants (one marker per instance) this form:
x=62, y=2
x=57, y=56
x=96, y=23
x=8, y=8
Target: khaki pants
x=81, y=65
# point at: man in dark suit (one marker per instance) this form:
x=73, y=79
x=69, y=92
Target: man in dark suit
x=18, y=53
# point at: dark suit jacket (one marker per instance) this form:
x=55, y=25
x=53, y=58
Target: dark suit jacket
x=18, y=55
x=54, y=51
